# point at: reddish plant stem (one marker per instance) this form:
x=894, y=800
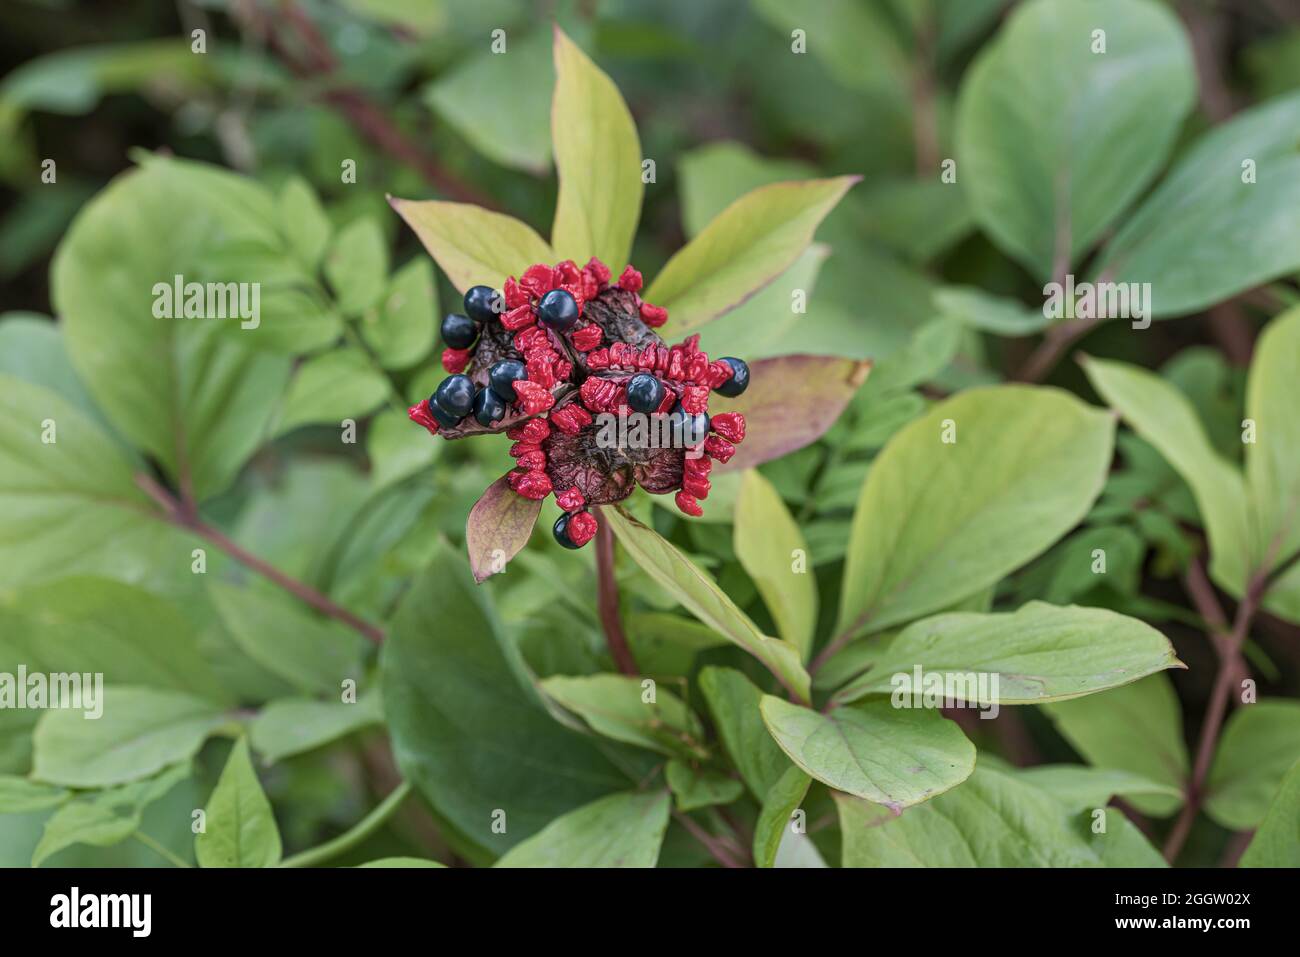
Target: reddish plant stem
x=318, y=60
x=1214, y=714
x=716, y=849
x=1055, y=344
x=185, y=515
x=607, y=602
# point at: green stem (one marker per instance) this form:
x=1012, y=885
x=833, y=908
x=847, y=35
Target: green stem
x=160, y=850
x=350, y=839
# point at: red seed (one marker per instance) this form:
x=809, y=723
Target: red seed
x=455, y=360
x=535, y=485
x=419, y=414
x=571, y=499
x=719, y=448
x=687, y=504
x=518, y=318
x=587, y=338
x=695, y=399
x=599, y=271
x=653, y=316
x=630, y=280
x=730, y=425
x=581, y=528
x=533, y=398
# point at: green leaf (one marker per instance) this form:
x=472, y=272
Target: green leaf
x=1260, y=743
x=141, y=731
x=749, y=244
x=72, y=506
x=695, y=788
x=195, y=395
x=1277, y=840
x=304, y=221
x=19, y=795
x=240, y=827
x=295, y=725
x=734, y=703
x=1039, y=653
x=773, y=824
x=1137, y=728
x=791, y=402
x=452, y=695
x=326, y=389
x=393, y=456
x=598, y=159
x=32, y=349
x=1000, y=316
x=714, y=175
x=105, y=817
x=401, y=862
x=857, y=42
x=400, y=330
x=472, y=245
x=1025, y=467
x=1161, y=414
x=94, y=625
x=615, y=706
x=995, y=819
x=357, y=265
x=514, y=89
x=621, y=830
x=1049, y=166
x=315, y=655
x=1204, y=235
x=892, y=756
x=769, y=545
x=700, y=595
x=1273, y=459
x=498, y=526
x=1081, y=788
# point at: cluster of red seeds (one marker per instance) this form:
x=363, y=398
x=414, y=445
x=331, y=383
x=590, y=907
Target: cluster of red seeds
x=579, y=365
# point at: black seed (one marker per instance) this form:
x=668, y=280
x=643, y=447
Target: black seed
x=687, y=430
x=644, y=392
x=504, y=375
x=561, y=531
x=480, y=303
x=558, y=310
x=459, y=332
x=455, y=395
x=488, y=407
x=739, y=380
x=445, y=418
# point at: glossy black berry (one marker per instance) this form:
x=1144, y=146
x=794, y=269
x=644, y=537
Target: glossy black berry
x=459, y=332
x=644, y=392
x=561, y=531
x=488, y=407
x=504, y=375
x=479, y=303
x=445, y=418
x=739, y=380
x=687, y=430
x=558, y=310
x=455, y=395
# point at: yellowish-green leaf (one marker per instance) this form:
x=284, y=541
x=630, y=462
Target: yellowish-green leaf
x=977, y=487
x=1161, y=414
x=892, y=756
x=1039, y=653
x=473, y=246
x=598, y=159
x=1273, y=459
x=774, y=820
x=749, y=244
x=700, y=595
x=1277, y=842
x=1260, y=743
x=240, y=829
x=616, y=706
x=773, y=551
x=621, y=830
